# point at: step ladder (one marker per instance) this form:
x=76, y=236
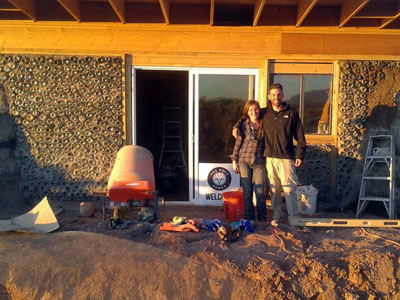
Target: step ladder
x=378, y=175
x=172, y=154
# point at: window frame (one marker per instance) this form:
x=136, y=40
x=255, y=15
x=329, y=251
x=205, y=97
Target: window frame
x=282, y=67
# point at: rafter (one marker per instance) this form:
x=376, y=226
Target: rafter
x=258, y=8
x=303, y=9
x=386, y=22
x=212, y=9
x=119, y=8
x=28, y=7
x=10, y=9
x=165, y=9
x=73, y=7
x=349, y=9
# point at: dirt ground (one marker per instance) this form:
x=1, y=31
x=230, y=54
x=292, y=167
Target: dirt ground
x=85, y=260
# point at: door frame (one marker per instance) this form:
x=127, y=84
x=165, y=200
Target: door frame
x=193, y=113
x=194, y=76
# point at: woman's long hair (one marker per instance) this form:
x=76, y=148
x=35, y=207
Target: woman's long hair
x=246, y=114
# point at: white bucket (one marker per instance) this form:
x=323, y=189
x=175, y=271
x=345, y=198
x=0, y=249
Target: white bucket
x=307, y=199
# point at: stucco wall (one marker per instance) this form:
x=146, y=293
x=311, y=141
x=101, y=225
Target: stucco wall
x=366, y=107
x=66, y=116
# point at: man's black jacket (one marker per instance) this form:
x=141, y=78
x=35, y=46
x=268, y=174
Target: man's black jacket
x=280, y=128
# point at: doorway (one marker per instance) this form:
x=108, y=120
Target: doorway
x=162, y=128
x=203, y=104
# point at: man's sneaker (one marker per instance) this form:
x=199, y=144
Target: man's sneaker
x=274, y=223
x=305, y=229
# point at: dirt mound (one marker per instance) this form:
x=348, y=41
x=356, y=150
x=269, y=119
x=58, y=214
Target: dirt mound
x=142, y=262
x=79, y=265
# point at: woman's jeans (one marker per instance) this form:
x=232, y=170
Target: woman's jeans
x=253, y=176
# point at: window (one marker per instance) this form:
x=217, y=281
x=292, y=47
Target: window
x=310, y=94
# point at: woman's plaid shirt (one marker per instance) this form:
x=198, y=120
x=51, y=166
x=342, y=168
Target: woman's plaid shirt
x=249, y=148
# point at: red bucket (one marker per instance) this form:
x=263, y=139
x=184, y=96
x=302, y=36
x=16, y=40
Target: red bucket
x=233, y=205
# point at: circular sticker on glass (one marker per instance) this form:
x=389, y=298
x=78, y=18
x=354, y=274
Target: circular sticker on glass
x=219, y=178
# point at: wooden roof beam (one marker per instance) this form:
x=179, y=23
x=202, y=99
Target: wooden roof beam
x=303, y=9
x=119, y=8
x=386, y=22
x=258, y=8
x=10, y=9
x=212, y=10
x=28, y=7
x=165, y=9
x=73, y=7
x=349, y=9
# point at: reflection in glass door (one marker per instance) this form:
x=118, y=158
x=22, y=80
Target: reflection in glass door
x=218, y=98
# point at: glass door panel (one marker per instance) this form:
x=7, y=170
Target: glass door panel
x=218, y=100
x=221, y=101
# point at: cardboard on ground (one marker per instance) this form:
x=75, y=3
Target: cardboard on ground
x=40, y=219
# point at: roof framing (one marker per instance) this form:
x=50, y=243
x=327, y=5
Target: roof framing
x=303, y=9
x=165, y=10
x=350, y=9
x=73, y=7
x=320, y=14
x=386, y=22
x=212, y=11
x=258, y=8
x=28, y=7
x=119, y=8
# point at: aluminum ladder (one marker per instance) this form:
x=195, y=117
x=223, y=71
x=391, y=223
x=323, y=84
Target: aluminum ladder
x=378, y=171
x=172, y=154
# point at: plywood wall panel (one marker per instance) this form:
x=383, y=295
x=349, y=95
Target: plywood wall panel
x=340, y=44
x=194, y=45
x=111, y=40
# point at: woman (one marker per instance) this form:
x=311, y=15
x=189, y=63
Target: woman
x=247, y=158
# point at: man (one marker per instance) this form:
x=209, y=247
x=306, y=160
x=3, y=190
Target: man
x=281, y=124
